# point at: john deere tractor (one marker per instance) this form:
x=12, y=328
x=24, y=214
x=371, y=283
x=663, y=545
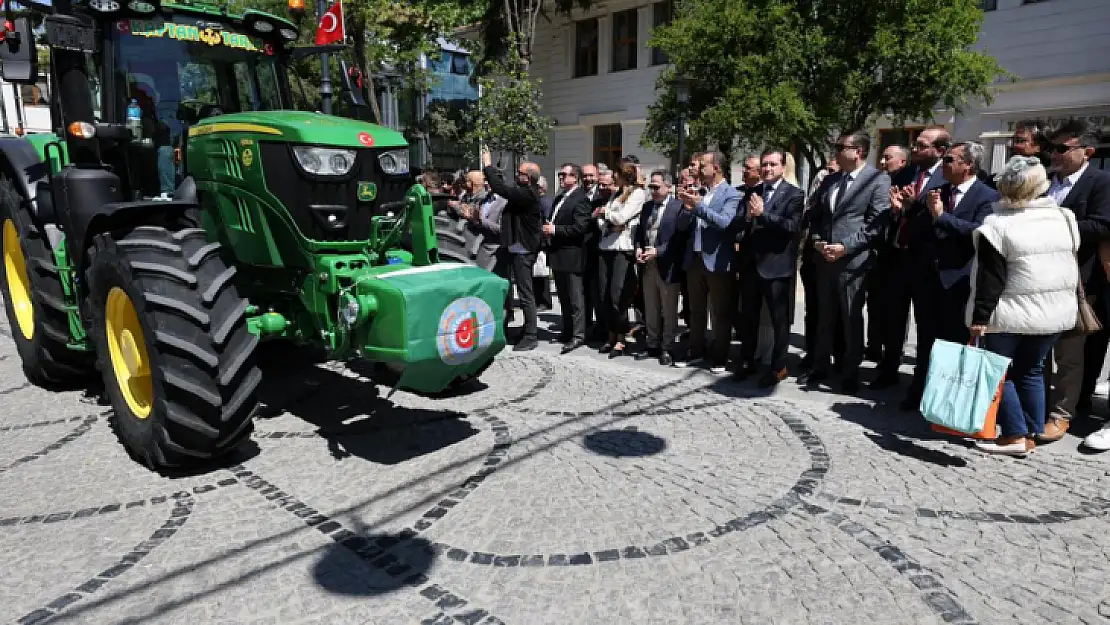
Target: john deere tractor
x=182, y=212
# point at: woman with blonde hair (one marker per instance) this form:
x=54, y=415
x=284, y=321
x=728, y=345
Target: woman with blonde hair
x=617, y=257
x=1023, y=294
x=790, y=171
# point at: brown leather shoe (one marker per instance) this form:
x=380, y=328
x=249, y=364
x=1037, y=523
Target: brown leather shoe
x=1054, y=430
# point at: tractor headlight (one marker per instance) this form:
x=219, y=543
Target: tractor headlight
x=141, y=7
x=288, y=34
x=263, y=27
x=394, y=162
x=324, y=161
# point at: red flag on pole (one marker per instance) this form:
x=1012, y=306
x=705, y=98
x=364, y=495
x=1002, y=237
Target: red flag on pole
x=331, y=28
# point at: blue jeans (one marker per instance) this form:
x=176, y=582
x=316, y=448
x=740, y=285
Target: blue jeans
x=1022, y=409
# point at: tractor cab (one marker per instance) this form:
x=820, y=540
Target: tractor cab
x=169, y=72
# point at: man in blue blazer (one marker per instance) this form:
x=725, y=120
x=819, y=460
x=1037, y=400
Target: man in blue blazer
x=768, y=259
x=708, y=264
x=661, y=252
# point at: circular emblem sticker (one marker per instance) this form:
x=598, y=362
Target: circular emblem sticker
x=248, y=157
x=466, y=330
x=365, y=139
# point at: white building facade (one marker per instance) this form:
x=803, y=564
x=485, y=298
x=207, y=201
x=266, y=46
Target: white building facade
x=598, y=78
x=1061, y=52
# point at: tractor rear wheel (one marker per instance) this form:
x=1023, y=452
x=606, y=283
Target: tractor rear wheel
x=34, y=300
x=458, y=244
x=171, y=335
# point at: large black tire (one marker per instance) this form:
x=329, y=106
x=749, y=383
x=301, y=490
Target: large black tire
x=458, y=244
x=203, y=386
x=47, y=361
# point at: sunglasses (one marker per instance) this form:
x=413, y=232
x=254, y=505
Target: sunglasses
x=840, y=147
x=654, y=187
x=1062, y=148
x=564, y=174
x=949, y=159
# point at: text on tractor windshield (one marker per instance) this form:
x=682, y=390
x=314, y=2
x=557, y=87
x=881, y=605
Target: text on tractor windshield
x=188, y=32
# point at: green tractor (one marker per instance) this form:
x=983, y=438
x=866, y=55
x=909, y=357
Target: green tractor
x=182, y=213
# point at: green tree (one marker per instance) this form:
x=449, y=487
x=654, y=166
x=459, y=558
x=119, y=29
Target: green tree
x=382, y=35
x=506, y=116
x=798, y=71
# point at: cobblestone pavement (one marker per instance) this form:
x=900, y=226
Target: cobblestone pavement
x=571, y=489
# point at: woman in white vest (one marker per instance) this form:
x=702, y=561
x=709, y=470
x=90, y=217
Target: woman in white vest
x=1023, y=294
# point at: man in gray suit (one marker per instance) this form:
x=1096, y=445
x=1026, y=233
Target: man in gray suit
x=850, y=209
x=708, y=262
x=482, y=209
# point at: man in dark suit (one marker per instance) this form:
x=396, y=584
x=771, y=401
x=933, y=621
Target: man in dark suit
x=566, y=253
x=708, y=218
x=541, y=285
x=660, y=252
x=1084, y=190
x=848, y=219
x=926, y=153
x=768, y=260
x=888, y=289
x=941, y=239
x=521, y=236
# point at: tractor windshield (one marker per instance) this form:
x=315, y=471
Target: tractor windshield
x=182, y=70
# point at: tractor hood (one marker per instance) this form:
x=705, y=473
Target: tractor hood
x=303, y=127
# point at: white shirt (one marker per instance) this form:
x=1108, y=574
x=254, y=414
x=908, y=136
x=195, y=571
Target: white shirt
x=961, y=189
x=1061, y=188
x=562, y=200
x=836, y=189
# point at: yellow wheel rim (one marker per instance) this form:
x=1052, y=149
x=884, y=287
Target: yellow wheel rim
x=19, y=287
x=127, y=348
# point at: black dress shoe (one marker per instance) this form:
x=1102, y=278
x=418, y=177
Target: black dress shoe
x=572, y=345
x=910, y=404
x=743, y=372
x=605, y=349
x=849, y=385
x=813, y=377
x=884, y=381
x=772, y=378
x=526, y=344
x=666, y=359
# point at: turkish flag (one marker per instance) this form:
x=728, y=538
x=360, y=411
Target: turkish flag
x=331, y=28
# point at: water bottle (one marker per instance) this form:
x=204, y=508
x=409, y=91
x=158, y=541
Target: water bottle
x=135, y=119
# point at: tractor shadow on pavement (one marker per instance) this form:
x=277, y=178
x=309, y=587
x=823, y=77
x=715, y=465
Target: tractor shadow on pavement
x=403, y=561
x=352, y=414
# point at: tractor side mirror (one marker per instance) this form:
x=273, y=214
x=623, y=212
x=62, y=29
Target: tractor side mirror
x=352, y=84
x=18, y=59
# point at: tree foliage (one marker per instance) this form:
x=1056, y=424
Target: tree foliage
x=798, y=71
x=507, y=115
x=384, y=36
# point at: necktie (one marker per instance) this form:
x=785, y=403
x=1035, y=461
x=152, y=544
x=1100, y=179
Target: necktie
x=920, y=184
x=841, y=189
x=950, y=203
x=767, y=191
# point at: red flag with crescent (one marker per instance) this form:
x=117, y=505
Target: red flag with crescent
x=331, y=28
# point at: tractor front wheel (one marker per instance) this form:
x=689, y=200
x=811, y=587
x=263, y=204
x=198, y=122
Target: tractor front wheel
x=171, y=335
x=34, y=299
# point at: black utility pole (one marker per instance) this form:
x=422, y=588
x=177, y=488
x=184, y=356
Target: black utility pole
x=325, y=73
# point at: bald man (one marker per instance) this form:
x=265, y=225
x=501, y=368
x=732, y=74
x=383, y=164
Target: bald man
x=521, y=237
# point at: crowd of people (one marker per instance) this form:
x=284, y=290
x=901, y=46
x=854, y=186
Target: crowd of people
x=1003, y=259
